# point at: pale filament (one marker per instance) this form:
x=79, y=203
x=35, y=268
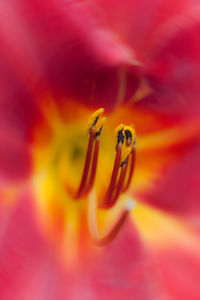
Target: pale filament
x=107, y=237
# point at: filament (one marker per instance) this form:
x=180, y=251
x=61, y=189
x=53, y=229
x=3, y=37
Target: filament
x=94, y=167
x=94, y=128
x=113, y=177
x=87, y=165
x=104, y=239
x=132, y=164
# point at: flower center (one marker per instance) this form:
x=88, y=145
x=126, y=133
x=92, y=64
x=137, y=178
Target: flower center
x=64, y=178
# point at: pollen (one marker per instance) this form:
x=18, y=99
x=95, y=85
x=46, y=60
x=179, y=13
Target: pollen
x=130, y=135
x=99, y=126
x=127, y=147
x=119, y=134
x=94, y=118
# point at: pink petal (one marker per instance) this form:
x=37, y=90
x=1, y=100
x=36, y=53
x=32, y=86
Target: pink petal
x=65, y=48
x=178, y=273
x=177, y=190
x=136, y=22
x=15, y=159
x=31, y=267
x=174, y=67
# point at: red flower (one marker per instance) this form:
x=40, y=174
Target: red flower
x=60, y=61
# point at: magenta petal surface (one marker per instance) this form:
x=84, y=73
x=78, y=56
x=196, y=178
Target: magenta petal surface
x=31, y=267
x=177, y=189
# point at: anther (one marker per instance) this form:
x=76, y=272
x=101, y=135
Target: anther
x=130, y=135
x=128, y=146
x=99, y=126
x=95, y=126
x=119, y=135
x=94, y=118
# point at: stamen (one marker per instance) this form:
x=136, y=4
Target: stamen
x=119, y=141
x=94, y=128
x=119, y=135
x=114, y=188
x=102, y=240
x=98, y=130
x=130, y=170
x=94, y=167
x=119, y=187
x=99, y=126
x=127, y=147
x=87, y=165
x=130, y=134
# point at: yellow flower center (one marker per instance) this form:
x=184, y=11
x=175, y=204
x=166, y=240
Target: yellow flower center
x=68, y=208
x=59, y=167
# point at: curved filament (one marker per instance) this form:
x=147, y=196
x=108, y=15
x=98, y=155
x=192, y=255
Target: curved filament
x=98, y=239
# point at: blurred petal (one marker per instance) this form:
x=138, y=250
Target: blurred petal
x=31, y=267
x=174, y=67
x=15, y=159
x=137, y=22
x=51, y=40
x=177, y=189
x=179, y=271
x=174, y=251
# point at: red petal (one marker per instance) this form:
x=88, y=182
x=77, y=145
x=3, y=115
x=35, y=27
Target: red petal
x=136, y=22
x=174, y=66
x=18, y=109
x=15, y=159
x=72, y=53
x=178, y=188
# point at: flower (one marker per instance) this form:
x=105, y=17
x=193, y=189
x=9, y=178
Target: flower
x=60, y=62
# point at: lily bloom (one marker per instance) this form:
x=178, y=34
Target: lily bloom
x=99, y=149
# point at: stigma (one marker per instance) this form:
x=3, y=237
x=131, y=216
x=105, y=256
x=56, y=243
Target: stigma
x=122, y=173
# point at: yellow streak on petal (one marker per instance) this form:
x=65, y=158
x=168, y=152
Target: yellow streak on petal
x=143, y=91
x=160, y=230
x=122, y=86
x=170, y=136
x=71, y=237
